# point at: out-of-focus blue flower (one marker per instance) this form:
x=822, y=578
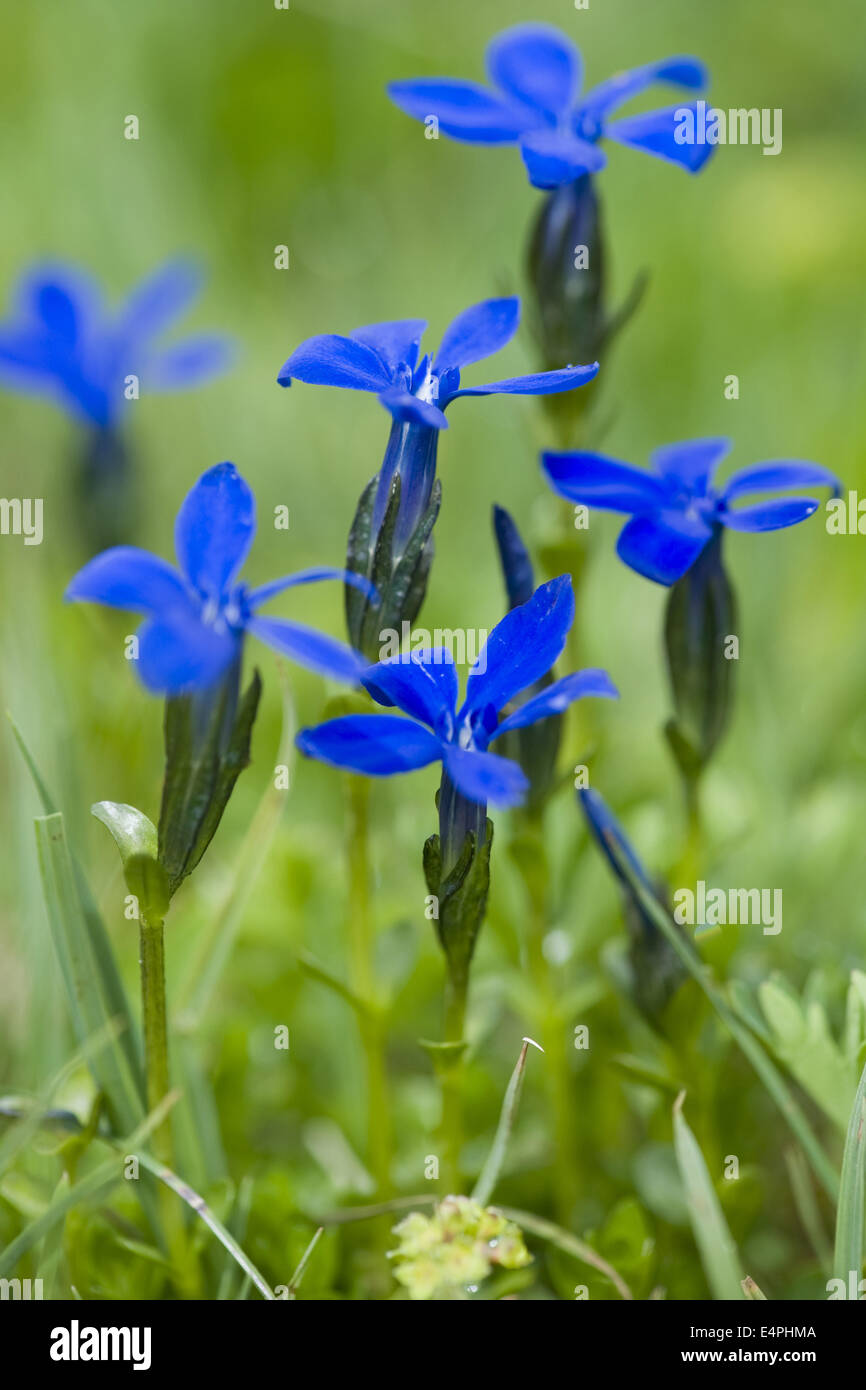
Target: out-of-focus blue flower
x=539, y=106
x=423, y=684
x=196, y=617
x=63, y=341
x=384, y=358
x=675, y=509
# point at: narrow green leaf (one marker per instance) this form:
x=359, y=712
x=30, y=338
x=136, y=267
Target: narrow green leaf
x=752, y=1291
x=83, y=949
x=104, y=963
x=848, y=1255
x=298, y=1275
x=715, y=1243
x=489, y=1175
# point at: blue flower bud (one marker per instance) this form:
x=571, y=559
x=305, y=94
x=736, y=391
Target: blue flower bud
x=536, y=746
x=700, y=619
x=654, y=972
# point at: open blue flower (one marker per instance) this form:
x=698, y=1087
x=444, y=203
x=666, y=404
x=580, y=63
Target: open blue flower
x=384, y=358
x=196, y=617
x=423, y=684
x=675, y=509
x=62, y=341
x=539, y=106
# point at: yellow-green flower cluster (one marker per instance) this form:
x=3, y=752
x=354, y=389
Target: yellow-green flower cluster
x=446, y=1255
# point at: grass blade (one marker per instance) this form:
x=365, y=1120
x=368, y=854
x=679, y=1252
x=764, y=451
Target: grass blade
x=203, y=1211
x=96, y=995
x=303, y=1262
x=490, y=1172
x=715, y=1243
x=848, y=1255
x=116, y=1001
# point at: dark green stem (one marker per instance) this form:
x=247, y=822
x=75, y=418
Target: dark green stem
x=155, y=1023
x=361, y=944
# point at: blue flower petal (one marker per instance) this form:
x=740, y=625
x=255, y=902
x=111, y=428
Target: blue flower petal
x=537, y=65
x=514, y=558
x=377, y=745
x=777, y=474
x=129, y=578
x=63, y=300
x=662, y=547
x=478, y=332
x=26, y=358
x=178, y=653
x=157, y=301
x=770, y=516
x=421, y=683
x=485, y=777
x=256, y=597
x=464, y=110
x=656, y=133
x=681, y=71
x=522, y=647
x=329, y=360
x=690, y=464
x=187, y=363
x=214, y=529
x=554, y=157
x=314, y=650
x=557, y=697
x=536, y=383
x=598, y=481
x=403, y=406
x=396, y=342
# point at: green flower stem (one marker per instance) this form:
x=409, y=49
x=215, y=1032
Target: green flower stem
x=451, y=1083
x=154, y=1015
x=534, y=867
x=361, y=944
x=692, y=858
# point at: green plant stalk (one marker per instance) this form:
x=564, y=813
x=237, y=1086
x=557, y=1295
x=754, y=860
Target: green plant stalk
x=155, y=1025
x=451, y=1084
x=745, y=1039
x=361, y=945
x=551, y=1024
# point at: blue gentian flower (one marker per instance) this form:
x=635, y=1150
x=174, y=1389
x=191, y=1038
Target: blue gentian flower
x=539, y=106
x=675, y=509
x=196, y=617
x=63, y=341
x=384, y=358
x=423, y=684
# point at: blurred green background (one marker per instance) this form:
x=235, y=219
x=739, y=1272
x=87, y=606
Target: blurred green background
x=260, y=127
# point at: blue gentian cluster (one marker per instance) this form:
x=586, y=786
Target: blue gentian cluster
x=62, y=341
